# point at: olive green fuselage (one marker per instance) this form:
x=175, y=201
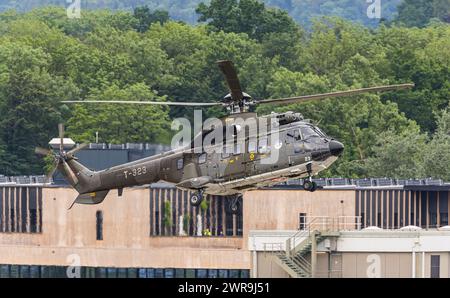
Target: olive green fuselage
x=299, y=150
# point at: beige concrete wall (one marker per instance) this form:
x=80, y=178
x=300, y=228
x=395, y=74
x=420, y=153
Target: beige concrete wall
x=267, y=268
x=364, y=265
x=280, y=209
x=125, y=232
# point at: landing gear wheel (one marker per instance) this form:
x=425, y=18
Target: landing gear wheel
x=235, y=204
x=314, y=187
x=309, y=185
x=196, y=198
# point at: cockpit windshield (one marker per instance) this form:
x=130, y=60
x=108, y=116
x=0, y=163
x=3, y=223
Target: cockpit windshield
x=320, y=132
x=310, y=132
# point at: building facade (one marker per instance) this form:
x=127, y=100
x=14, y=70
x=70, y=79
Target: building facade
x=346, y=230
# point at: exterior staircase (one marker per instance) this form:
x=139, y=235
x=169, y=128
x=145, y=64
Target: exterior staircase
x=295, y=267
x=294, y=256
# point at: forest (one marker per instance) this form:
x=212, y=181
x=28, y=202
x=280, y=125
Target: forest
x=143, y=54
x=302, y=11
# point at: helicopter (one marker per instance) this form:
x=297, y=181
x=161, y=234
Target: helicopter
x=233, y=167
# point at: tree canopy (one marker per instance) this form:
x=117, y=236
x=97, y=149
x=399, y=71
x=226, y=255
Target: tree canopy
x=46, y=57
x=302, y=11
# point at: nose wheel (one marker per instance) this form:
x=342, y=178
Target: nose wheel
x=196, y=198
x=310, y=185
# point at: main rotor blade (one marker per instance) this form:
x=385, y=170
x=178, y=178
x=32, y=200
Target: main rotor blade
x=80, y=147
x=42, y=151
x=160, y=103
x=305, y=98
x=229, y=71
x=61, y=137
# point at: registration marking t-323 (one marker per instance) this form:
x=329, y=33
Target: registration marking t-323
x=135, y=172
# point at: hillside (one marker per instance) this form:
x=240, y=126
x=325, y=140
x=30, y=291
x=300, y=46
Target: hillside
x=300, y=10
x=46, y=57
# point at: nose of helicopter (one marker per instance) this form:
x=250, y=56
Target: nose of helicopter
x=336, y=148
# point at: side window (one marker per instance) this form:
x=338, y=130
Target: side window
x=226, y=151
x=202, y=158
x=251, y=146
x=237, y=149
x=180, y=164
x=263, y=146
x=293, y=135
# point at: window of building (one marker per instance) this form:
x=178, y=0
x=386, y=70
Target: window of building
x=435, y=266
x=202, y=273
x=142, y=273
x=212, y=273
x=443, y=208
x=302, y=221
x=190, y=273
x=122, y=273
x=159, y=273
x=111, y=272
x=217, y=218
x=99, y=225
x=444, y=219
x=169, y=273
x=150, y=273
x=223, y=273
x=179, y=273
x=21, y=209
x=234, y=273
x=36, y=271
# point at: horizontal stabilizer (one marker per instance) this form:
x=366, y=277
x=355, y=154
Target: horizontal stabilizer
x=91, y=198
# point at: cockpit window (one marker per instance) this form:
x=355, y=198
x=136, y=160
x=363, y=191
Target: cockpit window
x=293, y=135
x=309, y=132
x=321, y=133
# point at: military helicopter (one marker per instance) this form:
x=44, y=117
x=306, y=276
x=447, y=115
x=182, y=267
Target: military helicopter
x=302, y=150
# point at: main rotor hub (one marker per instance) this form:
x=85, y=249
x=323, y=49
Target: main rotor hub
x=235, y=107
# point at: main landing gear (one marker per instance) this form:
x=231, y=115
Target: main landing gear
x=234, y=203
x=308, y=184
x=196, y=198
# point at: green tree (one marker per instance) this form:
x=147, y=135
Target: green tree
x=418, y=13
x=146, y=17
x=398, y=155
x=29, y=97
x=437, y=157
x=245, y=16
x=417, y=55
x=121, y=123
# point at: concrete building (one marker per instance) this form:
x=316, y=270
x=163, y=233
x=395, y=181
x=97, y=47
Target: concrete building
x=349, y=228
x=285, y=232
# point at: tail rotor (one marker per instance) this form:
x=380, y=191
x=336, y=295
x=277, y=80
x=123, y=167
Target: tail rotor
x=61, y=158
